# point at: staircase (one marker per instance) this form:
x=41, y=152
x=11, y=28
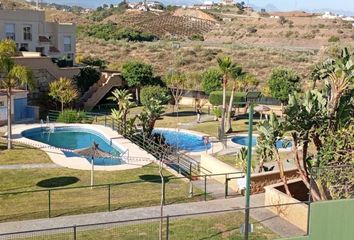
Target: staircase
x=100, y=89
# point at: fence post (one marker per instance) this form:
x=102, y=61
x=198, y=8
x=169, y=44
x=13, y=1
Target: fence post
x=167, y=227
x=49, y=204
x=75, y=237
x=109, y=197
x=105, y=120
x=113, y=123
x=205, y=188
x=226, y=186
x=164, y=192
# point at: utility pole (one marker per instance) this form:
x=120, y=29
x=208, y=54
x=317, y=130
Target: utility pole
x=251, y=97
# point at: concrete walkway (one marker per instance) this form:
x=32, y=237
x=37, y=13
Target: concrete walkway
x=263, y=216
x=28, y=166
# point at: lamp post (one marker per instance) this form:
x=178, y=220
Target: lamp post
x=250, y=98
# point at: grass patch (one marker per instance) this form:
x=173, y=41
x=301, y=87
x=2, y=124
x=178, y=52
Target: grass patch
x=21, y=154
x=211, y=127
x=216, y=226
x=127, y=194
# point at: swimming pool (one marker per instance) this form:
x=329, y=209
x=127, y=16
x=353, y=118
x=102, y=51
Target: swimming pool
x=73, y=138
x=184, y=140
x=243, y=140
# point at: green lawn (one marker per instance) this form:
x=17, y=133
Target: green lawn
x=220, y=226
x=21, y=154
x=145, y=192
x=211, y=127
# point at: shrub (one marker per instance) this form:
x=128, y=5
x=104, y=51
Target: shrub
x=217, y=111
x=110, y=31
x=211, y=80
x=156, y=92
x=333, y=39
x=252, y=30
x=86, y=78
x=72, y=116
x=282, y=82
x=197, y=37
x=215, y=98
x=92, y=61
x=282, y=20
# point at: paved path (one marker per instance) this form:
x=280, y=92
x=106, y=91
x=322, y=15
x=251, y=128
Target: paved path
x=28, y=166
x=267, y=218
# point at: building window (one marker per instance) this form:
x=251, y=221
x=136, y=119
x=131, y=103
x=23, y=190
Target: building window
x=40, y=50
x=10, y=31
x=67, y=43
x=27, y=32
x=24, y=47
x=2, y=104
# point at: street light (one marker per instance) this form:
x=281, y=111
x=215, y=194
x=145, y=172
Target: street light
x=251, y=97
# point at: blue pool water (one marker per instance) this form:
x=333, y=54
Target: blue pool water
x=184, y=141
x=73, y=138
x=243, y=140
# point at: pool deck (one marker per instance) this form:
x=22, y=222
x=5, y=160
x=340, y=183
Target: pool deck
x=136, y=157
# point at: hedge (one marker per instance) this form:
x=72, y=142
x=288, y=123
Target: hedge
x=215, y=98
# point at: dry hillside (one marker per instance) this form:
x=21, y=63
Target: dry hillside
x=258, y=43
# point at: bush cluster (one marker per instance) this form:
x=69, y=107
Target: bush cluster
x=154, y=92
x=72, y=116
x=215, y=98
x=111, y=31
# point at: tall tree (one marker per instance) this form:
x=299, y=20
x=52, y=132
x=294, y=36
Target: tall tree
x=226, y=67
x=13, y=76
x=236, y=74
x=137, y=74
x=282, y=82
x=211, y=80
x=63, y=90
x=177, y=82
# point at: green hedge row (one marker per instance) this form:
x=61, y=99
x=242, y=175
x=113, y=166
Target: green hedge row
x=215, y=98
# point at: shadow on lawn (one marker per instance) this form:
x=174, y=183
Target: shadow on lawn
x=153, y=178
x=57, y=182
x=181, y=114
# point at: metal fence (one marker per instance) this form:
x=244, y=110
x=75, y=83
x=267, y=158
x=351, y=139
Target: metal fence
x=221, y=224
x=61, y=201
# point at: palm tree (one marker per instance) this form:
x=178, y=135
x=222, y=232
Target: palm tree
x=236, y=72
x=13, y=76
x=226, y=67
x=124, y=101
x=63, y=90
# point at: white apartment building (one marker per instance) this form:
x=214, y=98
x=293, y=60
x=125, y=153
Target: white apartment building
x=32, y=33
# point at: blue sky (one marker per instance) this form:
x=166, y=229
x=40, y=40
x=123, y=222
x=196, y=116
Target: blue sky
x=347, y=5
